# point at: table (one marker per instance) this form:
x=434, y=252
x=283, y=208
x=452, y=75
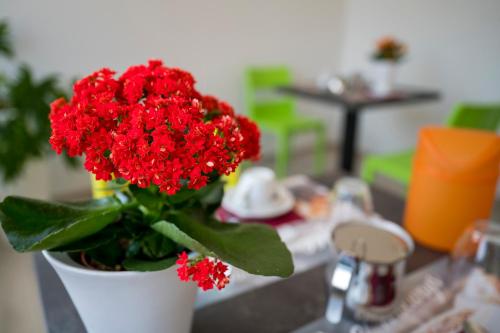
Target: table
x=278, y=307
x=352, y=105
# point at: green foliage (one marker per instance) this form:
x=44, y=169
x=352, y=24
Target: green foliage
x=144, y=231
x=155, y=245
x=5, y=43
x=109, y=254
x=24, y=110
x=37, y=225
x=255, y=248
x=171, y=231
x=108, y=234
x=148, y=265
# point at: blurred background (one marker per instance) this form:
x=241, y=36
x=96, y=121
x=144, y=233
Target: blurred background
x=452, y=48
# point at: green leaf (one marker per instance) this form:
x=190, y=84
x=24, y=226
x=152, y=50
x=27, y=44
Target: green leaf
x=211, y=195
x=200, y=203
x=181, y=196
x=148, y=266
x=171, y=231
x=5, y=42
x=134, y=223
x=110, y=254
x=155, y=245
x=116, y=185
x=87, y=243
x=108, y=234
x=147, y=198
x=120, y=181
x=254, y=248
x=133, y=249
x=32, y=225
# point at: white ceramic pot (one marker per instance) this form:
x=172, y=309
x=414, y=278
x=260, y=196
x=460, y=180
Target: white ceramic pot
x=384, y=75
x=146, y=302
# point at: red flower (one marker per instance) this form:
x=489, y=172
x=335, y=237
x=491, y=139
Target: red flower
x=183, y=270
x=205, y=272
x=220, y=275
x=151, y=126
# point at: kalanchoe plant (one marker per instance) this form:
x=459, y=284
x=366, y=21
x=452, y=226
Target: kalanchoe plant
x=150, y=128
x=389, y=49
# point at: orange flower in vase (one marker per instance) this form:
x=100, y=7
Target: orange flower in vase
x=388, y=52
x=389, y=49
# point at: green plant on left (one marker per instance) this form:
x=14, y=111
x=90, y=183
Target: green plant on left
x=24, y=109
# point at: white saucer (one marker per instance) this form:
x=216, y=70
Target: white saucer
x=283, y=204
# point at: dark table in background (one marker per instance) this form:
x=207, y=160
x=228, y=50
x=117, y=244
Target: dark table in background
x=352, y=105
x=278, y=307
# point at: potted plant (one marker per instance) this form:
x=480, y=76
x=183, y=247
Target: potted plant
x=389, y=51
x=131, y=261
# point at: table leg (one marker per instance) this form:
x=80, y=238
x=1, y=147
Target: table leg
x=349, y=140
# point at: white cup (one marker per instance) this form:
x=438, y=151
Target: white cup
x=256, y=188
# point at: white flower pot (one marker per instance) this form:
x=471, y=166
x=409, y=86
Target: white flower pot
x=384, y=75
x=146, y=302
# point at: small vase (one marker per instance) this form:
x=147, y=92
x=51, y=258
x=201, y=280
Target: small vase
x=384, y=74
x=102, y=189
x=126, y=302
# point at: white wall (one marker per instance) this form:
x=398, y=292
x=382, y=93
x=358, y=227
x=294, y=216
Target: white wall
x=33, y=182
x=213, y=39
x=454, y=46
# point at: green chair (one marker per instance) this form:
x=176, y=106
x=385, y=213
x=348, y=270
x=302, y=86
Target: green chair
x=398, y=166
x=277, y=114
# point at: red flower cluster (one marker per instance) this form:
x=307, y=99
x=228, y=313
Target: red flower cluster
x=151, y=126
x=205, y=272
